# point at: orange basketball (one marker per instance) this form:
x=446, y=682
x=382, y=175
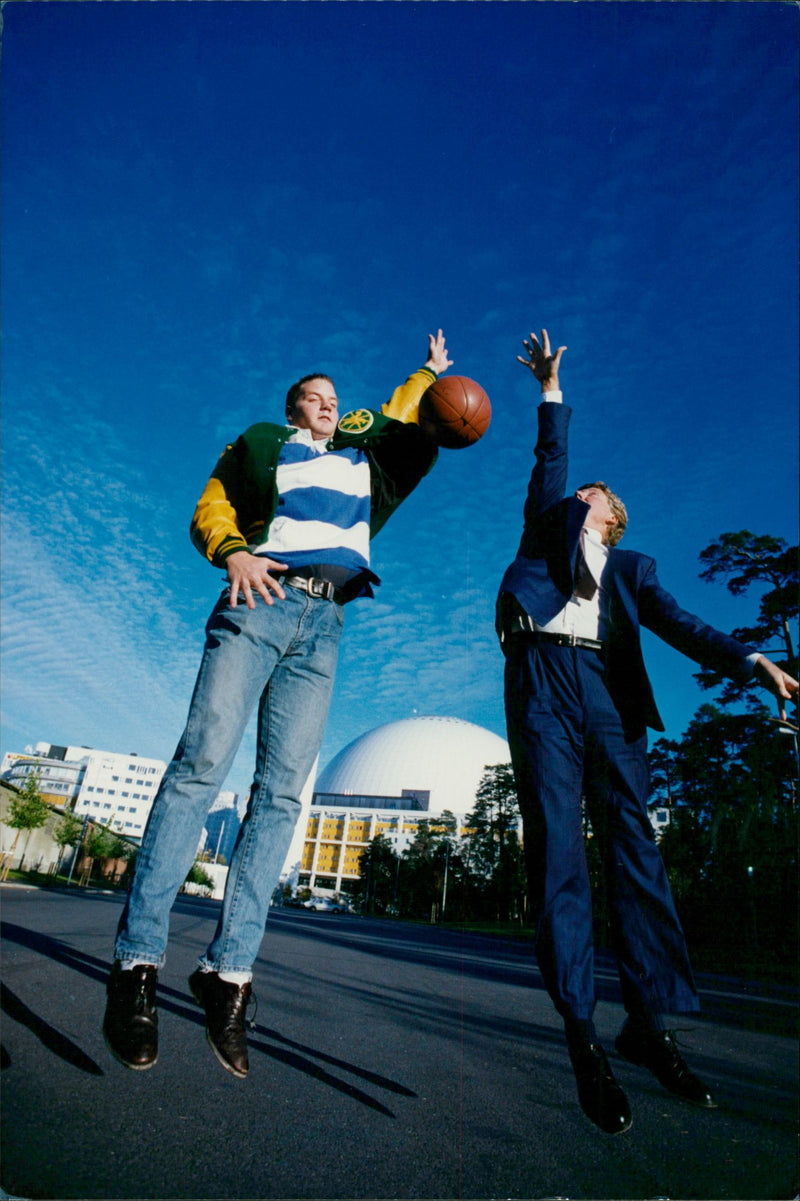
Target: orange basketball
x=455, y=411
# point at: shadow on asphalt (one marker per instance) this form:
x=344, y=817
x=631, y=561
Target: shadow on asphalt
x=295, y=1055
x=748, y=1005
x=48, y=1035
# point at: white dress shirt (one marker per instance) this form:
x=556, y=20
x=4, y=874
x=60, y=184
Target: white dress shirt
x=581, y=617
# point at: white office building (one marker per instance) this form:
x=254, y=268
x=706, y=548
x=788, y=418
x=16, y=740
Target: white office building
x=114, y=789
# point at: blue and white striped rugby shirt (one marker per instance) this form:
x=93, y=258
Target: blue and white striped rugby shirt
x=323, y=506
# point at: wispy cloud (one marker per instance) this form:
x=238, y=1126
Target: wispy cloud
x=200, y=259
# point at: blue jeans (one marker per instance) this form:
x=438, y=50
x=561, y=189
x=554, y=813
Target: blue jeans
x=281, y=658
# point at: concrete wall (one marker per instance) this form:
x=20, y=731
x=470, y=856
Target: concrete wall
x=39, y=849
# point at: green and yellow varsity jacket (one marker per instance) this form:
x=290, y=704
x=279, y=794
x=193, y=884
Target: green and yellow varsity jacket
x=241, y=497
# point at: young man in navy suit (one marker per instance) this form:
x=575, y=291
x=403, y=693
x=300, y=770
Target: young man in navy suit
x=578, y=702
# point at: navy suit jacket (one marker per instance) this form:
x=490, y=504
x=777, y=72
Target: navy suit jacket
x=540, y=581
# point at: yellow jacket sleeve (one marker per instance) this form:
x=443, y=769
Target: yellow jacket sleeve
x=215, y=525
x=404, y=402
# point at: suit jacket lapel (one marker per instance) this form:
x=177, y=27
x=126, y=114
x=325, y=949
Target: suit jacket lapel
x=610, y=591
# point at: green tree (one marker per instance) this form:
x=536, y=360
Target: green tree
x=416, y=879
x=494, y=847
x=744, y=561
x=27, y=811
x=731, y=846
x=100, y=843
x=454, y=876
x=67, y=833
x=197, y=874
x=663, y=773
x=119, y=848
x=730, y=782
x=428, y=867
x=378, y=873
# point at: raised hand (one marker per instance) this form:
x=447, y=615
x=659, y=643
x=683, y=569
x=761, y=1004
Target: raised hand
x=437, y=360
x=541, y=362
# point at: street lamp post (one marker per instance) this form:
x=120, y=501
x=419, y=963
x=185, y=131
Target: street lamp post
x=78, y=849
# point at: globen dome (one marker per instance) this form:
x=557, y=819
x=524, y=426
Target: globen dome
x=441, y=755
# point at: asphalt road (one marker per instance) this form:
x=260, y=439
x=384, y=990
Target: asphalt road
x=387, y=1061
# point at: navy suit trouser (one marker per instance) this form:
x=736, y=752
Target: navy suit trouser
x=567, y=740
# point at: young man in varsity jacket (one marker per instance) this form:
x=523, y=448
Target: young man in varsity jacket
x=288, y=513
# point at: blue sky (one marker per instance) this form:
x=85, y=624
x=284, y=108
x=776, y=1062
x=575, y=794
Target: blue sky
x=204, y=201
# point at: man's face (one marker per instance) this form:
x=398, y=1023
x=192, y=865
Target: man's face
x=601, y=516
x=316, y=408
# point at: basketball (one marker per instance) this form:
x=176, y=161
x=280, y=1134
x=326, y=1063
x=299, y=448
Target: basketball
x=455, y=411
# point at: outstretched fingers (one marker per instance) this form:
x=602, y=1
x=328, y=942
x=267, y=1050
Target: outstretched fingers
x=540, y=360
x=438, y=357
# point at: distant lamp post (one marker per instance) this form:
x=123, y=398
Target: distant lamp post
x=78, y=849
x=751, y=890
x=219, y=840
x=788, y=728
x=444, y=885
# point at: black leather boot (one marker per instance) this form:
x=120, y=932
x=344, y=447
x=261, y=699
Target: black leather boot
x=656, y=1050
x=130, y=1026
x=225, y=1005
x=601, y=1098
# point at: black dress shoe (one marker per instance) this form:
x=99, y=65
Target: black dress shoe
x=601, y=1098
x=225, y=1005
x=656, y=1050
x=130, y=1025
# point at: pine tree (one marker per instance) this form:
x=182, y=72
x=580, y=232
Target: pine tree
x=377, y=876
x=495, y=850
x=745, y=560
x=731, y=846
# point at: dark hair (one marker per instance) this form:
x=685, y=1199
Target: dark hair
x=293, y=395
x=617, y=508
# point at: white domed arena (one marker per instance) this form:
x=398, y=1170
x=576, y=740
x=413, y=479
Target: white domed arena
x=443, y=756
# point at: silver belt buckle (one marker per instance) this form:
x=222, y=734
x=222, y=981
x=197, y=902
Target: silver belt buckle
x=320, y=588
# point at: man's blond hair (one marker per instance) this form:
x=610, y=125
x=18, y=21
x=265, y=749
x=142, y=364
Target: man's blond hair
x=617, y=508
